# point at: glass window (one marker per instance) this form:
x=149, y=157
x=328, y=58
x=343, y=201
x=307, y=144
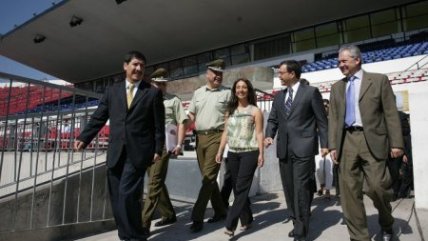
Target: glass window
x=239, y=49
x=416, y=16
x=304, y=40
x=240, y=54
x=385, y=22
x=273, y=47
x=357, y=29
x=327, y=35
x=203, y=59
x=223, y=54
x=176, y=69
x=240, y=58
x=190, y=66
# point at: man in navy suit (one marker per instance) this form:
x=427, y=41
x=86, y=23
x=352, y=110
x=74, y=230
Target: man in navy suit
x=137, y=136
x=298, y=116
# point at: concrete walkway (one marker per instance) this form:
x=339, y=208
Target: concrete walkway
x=269, y=212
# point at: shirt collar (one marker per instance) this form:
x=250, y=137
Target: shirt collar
x=214, y=89
x=359, y=74
x=136, y=84
x=295, y=86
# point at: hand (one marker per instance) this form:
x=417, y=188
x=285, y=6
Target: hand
x=396, y=152
x=218, y=158
x=156, y=157
x=324, y=152
x=333, y=156
x=268, y=141
x=79, y=145
x=405, y=159
x=260, y=160
x=177, y=150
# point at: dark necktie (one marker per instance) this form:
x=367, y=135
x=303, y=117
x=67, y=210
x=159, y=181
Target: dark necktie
x=350, y=103
x=289, y=101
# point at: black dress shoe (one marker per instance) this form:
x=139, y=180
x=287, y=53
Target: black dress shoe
x=146, y=231
x=216, y=218
x=196, y=226
x=387, y=235
x=166, y=221
x=291, y=233
x=300, y=239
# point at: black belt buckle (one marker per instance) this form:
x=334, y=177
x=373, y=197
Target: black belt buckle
x=354, y=128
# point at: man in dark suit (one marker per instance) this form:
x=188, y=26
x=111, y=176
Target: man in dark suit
x=137, y=136
x=298, y=115
x=363, y=128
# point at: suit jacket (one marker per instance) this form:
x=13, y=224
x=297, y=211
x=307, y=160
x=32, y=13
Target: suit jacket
x=379, y=115
x=139, y=130
x=299, y=131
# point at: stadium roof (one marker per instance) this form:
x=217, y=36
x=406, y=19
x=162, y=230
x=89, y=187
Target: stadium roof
x=162, y=29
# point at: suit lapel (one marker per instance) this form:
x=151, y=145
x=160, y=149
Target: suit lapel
x=341, y=97
x=281, y=101
x=122, y=96
x=365, y=84
x=139, y=94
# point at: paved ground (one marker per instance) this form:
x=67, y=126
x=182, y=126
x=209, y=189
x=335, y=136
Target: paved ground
x=269, y=211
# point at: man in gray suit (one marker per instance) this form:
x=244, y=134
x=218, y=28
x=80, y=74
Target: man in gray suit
x=298, y=115
x=364, y=128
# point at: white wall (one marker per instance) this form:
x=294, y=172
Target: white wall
x=418, y=104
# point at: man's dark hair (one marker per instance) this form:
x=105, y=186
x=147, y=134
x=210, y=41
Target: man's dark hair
x=292, y=65
x=304, y=81
x=134, y=54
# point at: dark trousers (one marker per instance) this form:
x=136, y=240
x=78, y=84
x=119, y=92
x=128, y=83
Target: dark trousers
x=394, y=166
x=206, y=150
x=336, y=178
x=358, y=166
x=125, y=184
x=157, y=196
x=225, y=192
x=242, y=167
x=297, y=175
x=226, y=189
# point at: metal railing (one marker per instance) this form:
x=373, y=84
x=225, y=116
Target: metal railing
x=43, y=182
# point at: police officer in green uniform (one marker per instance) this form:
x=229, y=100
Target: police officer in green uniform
x=158, y=194
x=207, y=109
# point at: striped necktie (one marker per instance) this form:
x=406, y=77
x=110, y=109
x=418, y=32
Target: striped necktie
x=289, y=101
x=130, y=94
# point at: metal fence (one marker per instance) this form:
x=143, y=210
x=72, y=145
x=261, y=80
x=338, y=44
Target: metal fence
x=43, y=181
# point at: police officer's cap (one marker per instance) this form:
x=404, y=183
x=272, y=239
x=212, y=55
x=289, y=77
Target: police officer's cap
x=159, y=75
x=216, y=65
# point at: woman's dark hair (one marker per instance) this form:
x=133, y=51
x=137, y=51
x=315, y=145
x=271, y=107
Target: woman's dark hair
x=233, y=103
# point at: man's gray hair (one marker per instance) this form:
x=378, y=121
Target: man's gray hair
x=353, y=50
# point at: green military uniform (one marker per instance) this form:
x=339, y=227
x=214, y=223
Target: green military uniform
x=158, y=196
x=209, y=107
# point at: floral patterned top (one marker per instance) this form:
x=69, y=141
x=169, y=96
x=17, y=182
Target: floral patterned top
x=241, y=131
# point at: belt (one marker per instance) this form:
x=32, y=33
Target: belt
x=208, y=132
x=354, y=128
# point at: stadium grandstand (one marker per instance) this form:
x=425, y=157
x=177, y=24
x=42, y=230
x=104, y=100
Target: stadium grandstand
x=51, y=192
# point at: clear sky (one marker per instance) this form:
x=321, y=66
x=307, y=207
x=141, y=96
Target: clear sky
x=14, y=13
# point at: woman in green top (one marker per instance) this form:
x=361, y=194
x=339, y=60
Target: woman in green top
x=243, y=133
